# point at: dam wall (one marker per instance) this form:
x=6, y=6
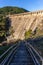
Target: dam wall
x=25, y=21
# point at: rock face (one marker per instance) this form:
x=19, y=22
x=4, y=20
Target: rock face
x=25, y=21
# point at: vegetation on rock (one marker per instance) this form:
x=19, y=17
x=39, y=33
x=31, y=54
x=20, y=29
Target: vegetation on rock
x=28, y=34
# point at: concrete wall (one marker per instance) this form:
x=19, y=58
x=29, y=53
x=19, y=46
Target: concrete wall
x=25, y=21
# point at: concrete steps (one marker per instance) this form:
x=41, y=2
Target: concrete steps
x=22, y=57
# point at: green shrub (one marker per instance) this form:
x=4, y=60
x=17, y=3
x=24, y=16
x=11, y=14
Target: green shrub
x=28, y=34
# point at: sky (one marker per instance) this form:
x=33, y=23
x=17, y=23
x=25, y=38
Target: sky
x=31, y=5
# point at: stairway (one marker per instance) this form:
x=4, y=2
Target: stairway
x=22, y=57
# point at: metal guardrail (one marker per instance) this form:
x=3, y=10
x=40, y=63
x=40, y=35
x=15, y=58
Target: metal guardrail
x=5, y=60
x=38, y=60
x=15, y=50
x=11, y=56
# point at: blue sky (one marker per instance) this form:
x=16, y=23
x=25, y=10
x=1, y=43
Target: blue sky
x=31, y=5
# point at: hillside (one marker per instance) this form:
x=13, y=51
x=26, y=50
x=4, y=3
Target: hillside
x=12, y=10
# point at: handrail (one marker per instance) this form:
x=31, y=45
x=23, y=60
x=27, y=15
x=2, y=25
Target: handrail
x=7, y=58
x=34, y=58
x=36, y=51
x=7, y=51
x=12, y=54
x=31, y=49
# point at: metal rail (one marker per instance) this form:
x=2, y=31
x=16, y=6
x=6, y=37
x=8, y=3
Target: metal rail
x=6, y=51
x=6, y=60
x=38, y=60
